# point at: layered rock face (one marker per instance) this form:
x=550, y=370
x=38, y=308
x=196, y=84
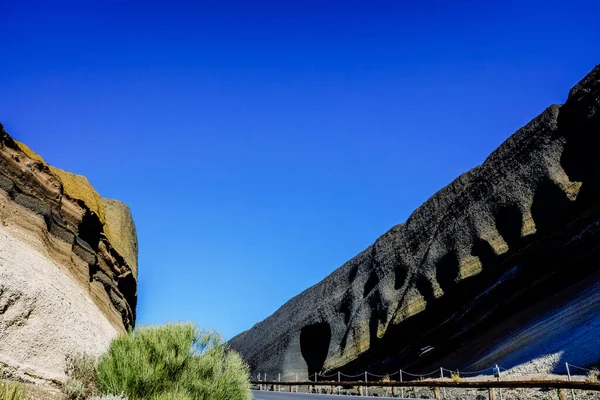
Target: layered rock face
x=499, y=267
x=68, y=265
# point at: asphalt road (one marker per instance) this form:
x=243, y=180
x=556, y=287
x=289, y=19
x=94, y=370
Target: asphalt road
x=264, y=395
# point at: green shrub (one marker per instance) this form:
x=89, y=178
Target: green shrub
x=173, y=362
x=83, y=379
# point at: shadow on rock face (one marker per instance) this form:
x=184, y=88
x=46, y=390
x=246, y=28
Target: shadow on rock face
x=314, y=345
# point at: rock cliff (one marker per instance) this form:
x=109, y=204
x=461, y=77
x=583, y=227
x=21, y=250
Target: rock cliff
x=68, y=265
x=500, y=266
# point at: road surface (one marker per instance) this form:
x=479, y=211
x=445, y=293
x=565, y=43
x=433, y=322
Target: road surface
x=264, y=395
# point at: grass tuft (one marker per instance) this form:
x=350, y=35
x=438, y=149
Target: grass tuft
x=455, y=376
x=83, y=381
x=593, y=375
x=10, y=390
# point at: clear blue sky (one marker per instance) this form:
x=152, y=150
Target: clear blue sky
x=261, y=144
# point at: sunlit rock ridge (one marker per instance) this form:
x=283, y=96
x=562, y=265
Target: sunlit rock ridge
x=68, y=265
x=499, y=267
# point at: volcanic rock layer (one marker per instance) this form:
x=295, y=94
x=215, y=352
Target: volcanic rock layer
x=68, y=265
x=498, y=267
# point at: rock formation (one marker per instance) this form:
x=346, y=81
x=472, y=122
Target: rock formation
x=500, y=266
x=68, y=265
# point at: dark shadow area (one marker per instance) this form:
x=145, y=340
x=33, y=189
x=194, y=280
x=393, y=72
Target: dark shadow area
x=424, y=287
x=579, y=123
x=314, y=345
x=550, y=206
x=370, y=284
x=346, y=306
x=352, y=274
x=90, y=229
x=128, y=287
x=485, y=253
x=509, y=222
x=447, y=270
x=378, y=315
x=400, y=275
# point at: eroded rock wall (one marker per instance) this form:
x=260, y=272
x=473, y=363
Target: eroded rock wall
x=68, y=265
x=500, y=266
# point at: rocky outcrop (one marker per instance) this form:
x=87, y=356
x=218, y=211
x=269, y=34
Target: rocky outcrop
x=500, y=266
x=68, y=265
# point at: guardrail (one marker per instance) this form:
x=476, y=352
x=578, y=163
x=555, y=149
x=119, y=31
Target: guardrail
x=560, y=385
x=437, y=379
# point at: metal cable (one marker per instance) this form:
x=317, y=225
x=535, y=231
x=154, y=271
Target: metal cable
x=420, y=375
x=351, y=376
x=581, y=368
x=409, y=374
x=475, y=372
x=326, y=376
x=437, y=371
x=378, y=376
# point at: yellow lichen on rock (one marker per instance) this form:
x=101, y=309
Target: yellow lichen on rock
x=120, y=231
x=414, y=304
x=75, y=186
x=30, y=153
x=114, y=215
x=469, y=266
x=78, y=187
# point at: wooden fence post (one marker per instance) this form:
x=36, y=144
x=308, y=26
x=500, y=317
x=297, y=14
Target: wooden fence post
x=402, y=387
x=492, y=394
x=436, y=393
x=562, y=395
x=569, y=374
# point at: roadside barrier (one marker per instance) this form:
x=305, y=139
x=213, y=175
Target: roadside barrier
x=441, y=378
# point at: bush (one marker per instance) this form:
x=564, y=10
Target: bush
x=593, y=375
x=173, y=362
x=83, y=379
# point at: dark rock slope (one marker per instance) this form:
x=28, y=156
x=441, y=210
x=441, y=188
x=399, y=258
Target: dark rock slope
x=500, y=266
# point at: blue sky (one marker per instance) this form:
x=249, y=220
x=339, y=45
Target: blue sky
x=261, y=144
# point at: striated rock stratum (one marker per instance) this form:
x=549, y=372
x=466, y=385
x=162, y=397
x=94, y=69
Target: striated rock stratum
x=68, y=265
x=499, y=267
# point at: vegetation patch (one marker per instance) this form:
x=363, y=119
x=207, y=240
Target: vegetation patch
x=10, y=390
x=173, y=362
x=83, y=380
